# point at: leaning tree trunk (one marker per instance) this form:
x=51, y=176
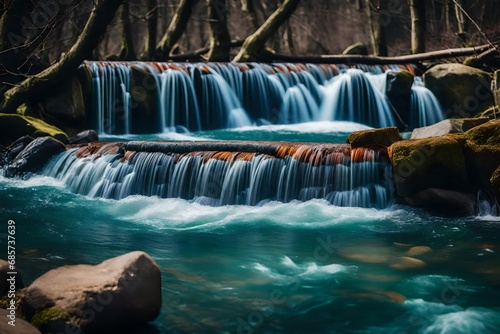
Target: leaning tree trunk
x=377, y=29
x=127, y=51
x=255, y=43
x=175, y=29
x=220, y=41
x=417, y=11
x=96, y=25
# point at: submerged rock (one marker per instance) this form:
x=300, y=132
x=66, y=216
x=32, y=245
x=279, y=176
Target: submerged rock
x=119, y=292
x=419, y=250
x=34, y=156
x=21, y=326
x=453, y=125
x=376, y=139
x=407, y=263
x=463, y=91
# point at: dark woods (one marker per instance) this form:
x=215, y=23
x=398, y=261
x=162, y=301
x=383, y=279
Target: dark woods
x=42, y=41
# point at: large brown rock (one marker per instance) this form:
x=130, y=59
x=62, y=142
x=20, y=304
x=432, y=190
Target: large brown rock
x=398, y=91
x=453, y=125
x=119, y=292
x=66, y=104
x=4, y=284
x=429, y=163
x=482, y=153
x=376, y=138
x=445, y=202
x=463, y=91
x=34, y=156
x=21, y=326
x=13, y=126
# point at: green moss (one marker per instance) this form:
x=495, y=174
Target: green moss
x=14, y=126
x=5, y=300
x=436, y=162
x=495, y=179
x=473, y=62
x=50, y=314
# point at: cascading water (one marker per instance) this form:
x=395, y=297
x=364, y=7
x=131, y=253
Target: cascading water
x=283, y=172
x=217, y=96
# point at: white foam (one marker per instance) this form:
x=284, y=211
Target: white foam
x=308, y=127
x=177, y=213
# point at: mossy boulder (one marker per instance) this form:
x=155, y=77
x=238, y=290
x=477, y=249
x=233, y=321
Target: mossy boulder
x=398, y=91
x=452, y=125
x=13, y=126
x=375, y=139
x=356, y=49
x=115, y=294
x=482, y=153
x=429, y=163
x=463, y=91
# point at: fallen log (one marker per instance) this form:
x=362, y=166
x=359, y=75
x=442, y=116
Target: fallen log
x=375, y=60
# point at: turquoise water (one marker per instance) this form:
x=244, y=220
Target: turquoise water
x=277, y=268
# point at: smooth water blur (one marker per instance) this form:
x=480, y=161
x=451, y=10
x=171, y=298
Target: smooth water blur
x=279, y=268
x=144, y=97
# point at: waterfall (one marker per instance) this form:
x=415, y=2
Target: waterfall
x=425, y=108
x=246, y=173
x=142, y=97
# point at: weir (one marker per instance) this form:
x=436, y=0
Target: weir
x=148, y=97
x=227, y=173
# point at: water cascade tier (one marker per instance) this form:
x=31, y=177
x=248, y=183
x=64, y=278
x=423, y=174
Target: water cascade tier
x=227, y=173
x=146, y=97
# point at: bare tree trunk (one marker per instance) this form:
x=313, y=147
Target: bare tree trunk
x=127, y=51
x=255, y=43
x=417, y=10
x=448, y=15
x=248, y=7
x=96, y=25
x=220, y=41
x=175, y=29
x=461, y=22
x=152, y=18
x=378, y=39
x=288, y=38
